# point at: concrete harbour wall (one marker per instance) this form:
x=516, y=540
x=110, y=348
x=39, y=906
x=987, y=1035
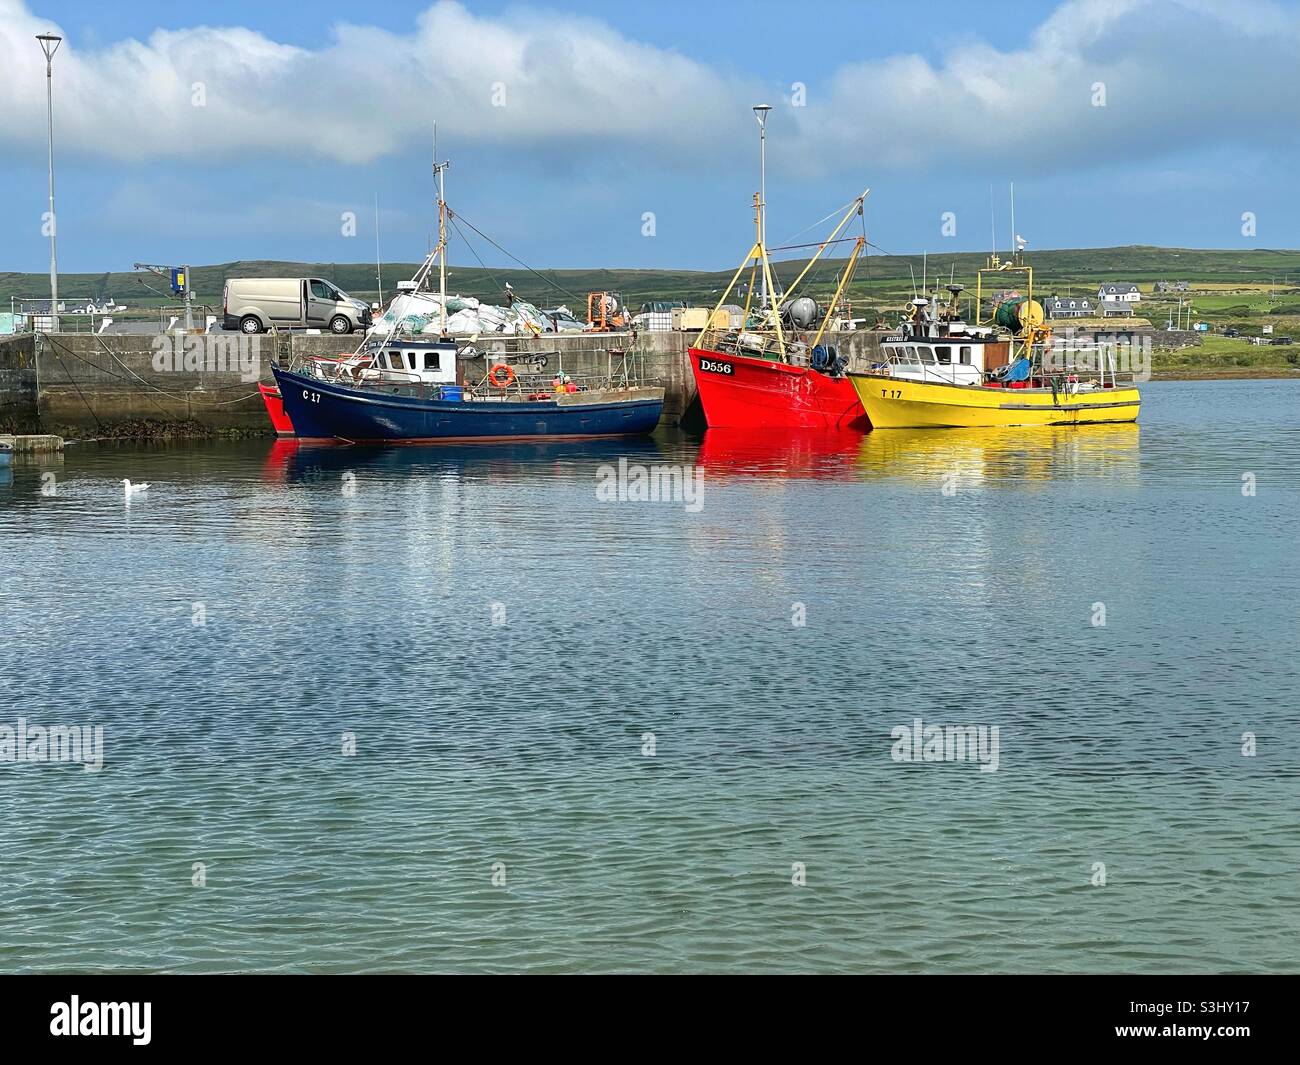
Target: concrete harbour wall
x=18, y=384
x=132, y=384
x=81, y=384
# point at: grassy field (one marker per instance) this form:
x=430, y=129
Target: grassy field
x=1222, y=280
x=1225, y=356
x=1228, y=288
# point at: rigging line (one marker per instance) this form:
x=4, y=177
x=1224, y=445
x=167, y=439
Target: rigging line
x=92, y=365
x=89, y=408
x=110, y=373
x=105, y=370
x=148, y=384
x=155, y=291
x=474, y=252
x=837, y=211
x=557, y=287
x=814, y=244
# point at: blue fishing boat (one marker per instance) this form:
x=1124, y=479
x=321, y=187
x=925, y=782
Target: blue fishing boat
x=377, y=409
x=6, y=452
x=407, y=389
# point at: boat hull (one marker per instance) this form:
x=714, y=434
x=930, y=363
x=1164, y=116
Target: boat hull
x=897, y=403
x=275, y=410
x=322, y=410
x=739, y=392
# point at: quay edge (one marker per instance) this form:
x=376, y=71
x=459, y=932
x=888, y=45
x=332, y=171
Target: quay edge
x=84, y=385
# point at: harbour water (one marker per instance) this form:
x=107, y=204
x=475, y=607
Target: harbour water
x=651, y=736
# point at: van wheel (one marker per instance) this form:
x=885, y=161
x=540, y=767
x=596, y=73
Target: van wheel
x=250, y=324
x=339, y=324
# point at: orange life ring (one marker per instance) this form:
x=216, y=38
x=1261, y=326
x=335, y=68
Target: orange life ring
x=501, y=375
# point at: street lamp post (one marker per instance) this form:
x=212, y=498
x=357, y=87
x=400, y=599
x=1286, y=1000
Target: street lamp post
x=760, y=113
x=49, y=45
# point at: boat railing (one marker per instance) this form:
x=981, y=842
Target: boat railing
x=1093, y=367
x=791, y=348
x=521, y=386
x=542, y=386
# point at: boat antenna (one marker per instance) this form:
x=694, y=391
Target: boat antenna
x=993, y=225
x=379, y=268
x=1013, y=221
x=912, y=270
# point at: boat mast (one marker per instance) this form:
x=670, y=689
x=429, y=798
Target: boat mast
x=760, y=113
x=441, y=250
x=768, y=285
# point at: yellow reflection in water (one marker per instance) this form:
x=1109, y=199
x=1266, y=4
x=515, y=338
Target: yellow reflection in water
x=980, y=455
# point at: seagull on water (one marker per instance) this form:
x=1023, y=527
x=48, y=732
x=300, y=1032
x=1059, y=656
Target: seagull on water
x=129, y=489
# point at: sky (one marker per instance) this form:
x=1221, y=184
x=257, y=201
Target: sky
x=619, y=134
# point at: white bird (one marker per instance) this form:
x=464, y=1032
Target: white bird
x=129, y=489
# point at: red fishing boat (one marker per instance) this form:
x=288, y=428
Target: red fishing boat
x=774, y=371
x=275, y=408
x=745, y=392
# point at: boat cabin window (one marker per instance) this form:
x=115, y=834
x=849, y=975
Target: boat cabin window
x=965, y=355
x=431, y=360
x=944, y=355
x=926, y=354
x=395, y=360
x=411, y=358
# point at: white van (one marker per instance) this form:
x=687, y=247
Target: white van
x=255, y=304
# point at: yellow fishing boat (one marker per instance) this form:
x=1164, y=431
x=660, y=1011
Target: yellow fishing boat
x=899, y=403
x=941, y=372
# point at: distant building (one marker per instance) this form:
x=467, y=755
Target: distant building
x=1116, y=308
x=1172, y=286
x=1121, y=293
x=1069, y=307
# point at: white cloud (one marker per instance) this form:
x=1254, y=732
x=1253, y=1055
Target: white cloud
x=369, y=93
x=1177, y=74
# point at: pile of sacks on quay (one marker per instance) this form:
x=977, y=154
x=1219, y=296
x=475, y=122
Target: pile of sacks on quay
x=420, y=313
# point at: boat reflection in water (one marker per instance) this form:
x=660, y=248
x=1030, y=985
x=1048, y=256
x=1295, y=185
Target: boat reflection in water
x=987, y=456
x=303, y=462
x=778, y=453
x=974, y=456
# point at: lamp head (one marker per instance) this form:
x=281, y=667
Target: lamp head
x=49, y=44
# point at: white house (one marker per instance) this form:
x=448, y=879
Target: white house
x=1119, y=293
x=1069, y=307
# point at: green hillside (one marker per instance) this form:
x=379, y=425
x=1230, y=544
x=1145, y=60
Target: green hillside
x=1242, y=284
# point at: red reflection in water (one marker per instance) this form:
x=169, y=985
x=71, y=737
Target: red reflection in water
x=779, y=453
x=275, y=470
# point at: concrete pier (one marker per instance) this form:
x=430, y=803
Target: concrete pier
x=32, y=443
x=83, y=385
